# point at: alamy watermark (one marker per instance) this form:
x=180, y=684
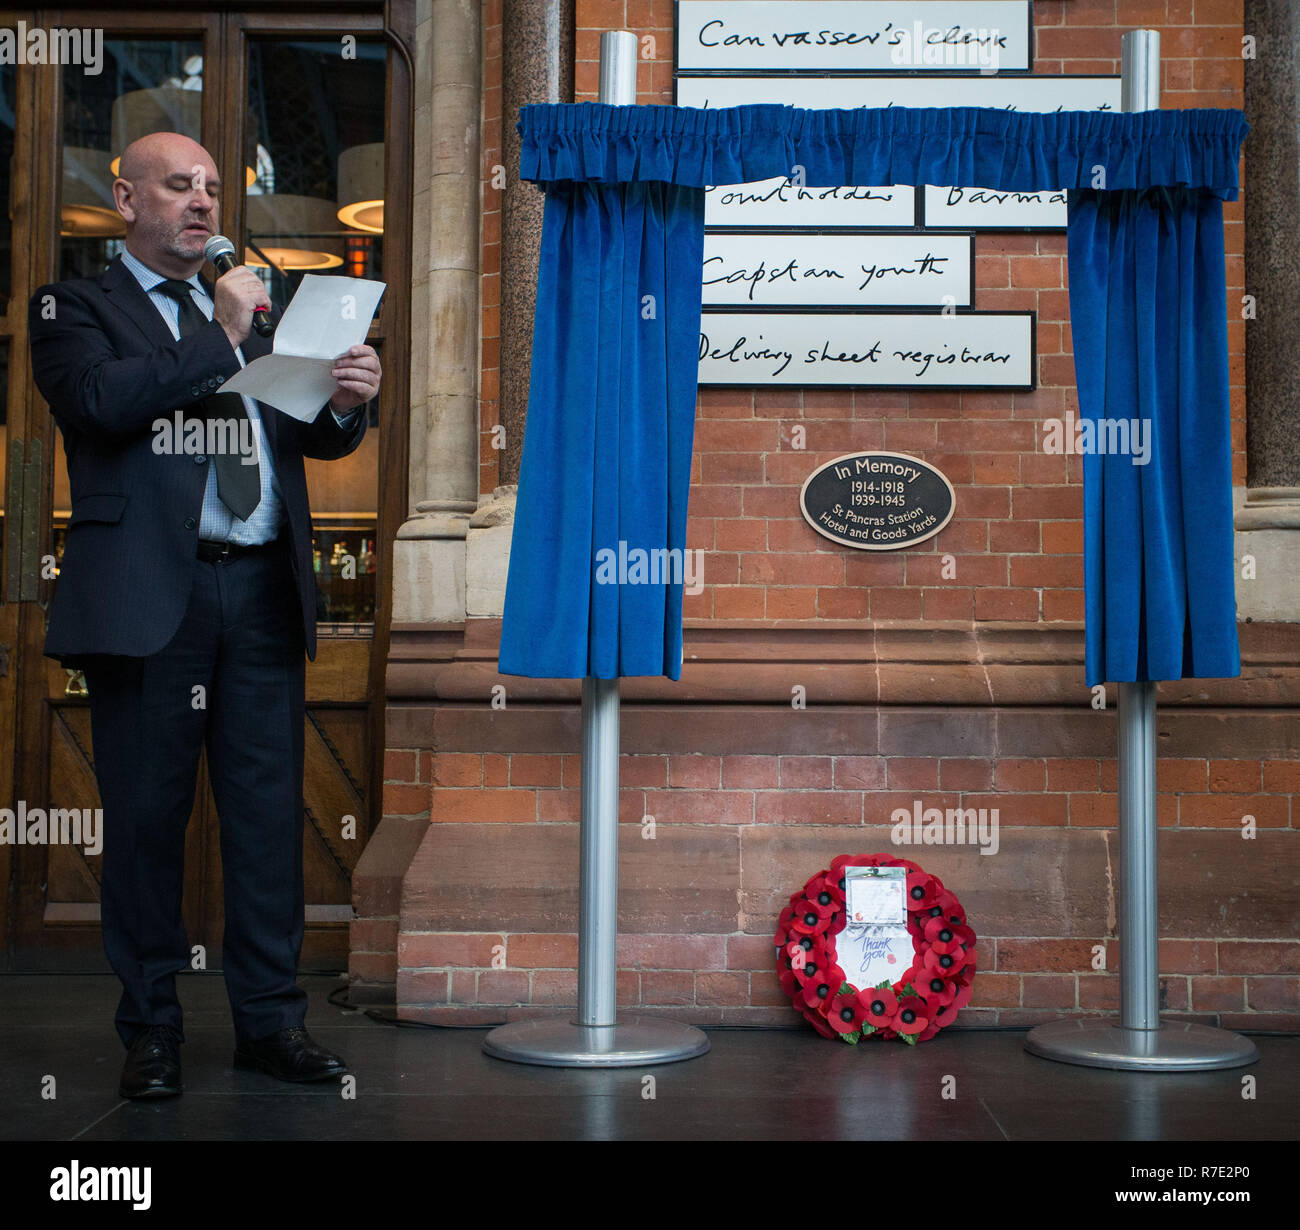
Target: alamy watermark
x=210, y=437
x=124, y=1184
x=953, y=48
x=53, y=45
x=651, y=566
x=935, y=826
x=59, y=826
x=1114, y=437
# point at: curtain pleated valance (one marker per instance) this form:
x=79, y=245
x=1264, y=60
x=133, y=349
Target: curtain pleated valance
x=599, y=567
x=976, y=146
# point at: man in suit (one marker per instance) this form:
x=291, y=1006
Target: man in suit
x=187, y=596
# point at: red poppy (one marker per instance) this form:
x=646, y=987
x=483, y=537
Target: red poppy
x=912, y=1015
x=818, y=991
x=921, y=893
x=816, y=973
x=941, y=964
x=941, y=991
x=827, y=884
x=948, y=948
x=846, y=1013
x=880, y=1005
x=940, y=931
x=811, y=918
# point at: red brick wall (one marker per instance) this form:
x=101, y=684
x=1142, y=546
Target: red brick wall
x=740, y=823
x=749, y=800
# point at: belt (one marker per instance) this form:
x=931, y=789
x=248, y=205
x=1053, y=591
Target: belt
x=212, y=552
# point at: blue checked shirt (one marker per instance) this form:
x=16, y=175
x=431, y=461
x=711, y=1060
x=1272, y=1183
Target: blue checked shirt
x=217, y=522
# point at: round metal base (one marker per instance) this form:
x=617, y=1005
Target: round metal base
x=1177, y=1046
x=630, y=1043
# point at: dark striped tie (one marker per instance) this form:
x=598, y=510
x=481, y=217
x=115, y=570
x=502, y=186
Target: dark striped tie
x=238, y=485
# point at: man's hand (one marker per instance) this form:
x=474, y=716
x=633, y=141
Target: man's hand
x=358, y=374
x=239, y=294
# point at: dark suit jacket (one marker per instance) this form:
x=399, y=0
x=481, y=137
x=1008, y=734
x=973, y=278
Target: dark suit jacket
x=108, y=366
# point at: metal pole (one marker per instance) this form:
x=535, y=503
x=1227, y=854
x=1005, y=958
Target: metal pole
x=598, y=1038
x=1139, y=966
x=1139, y=969
x=1139, y=1040
x=598, y=893
x=618, y=68
x=598, y=876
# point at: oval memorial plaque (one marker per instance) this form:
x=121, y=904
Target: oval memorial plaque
x=877, y=501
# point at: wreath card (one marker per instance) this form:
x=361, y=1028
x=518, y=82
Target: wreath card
x=875, y=945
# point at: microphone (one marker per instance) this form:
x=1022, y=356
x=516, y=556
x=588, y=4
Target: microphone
x=221, y=252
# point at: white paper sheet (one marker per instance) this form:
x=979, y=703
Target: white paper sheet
x=876, y=895
x=327, y=316
x=874, y=945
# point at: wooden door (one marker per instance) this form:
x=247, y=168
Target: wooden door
x=260, y=90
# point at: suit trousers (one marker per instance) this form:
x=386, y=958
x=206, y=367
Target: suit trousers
x=232, y=681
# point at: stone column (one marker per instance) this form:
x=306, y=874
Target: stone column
x=1268, y=513
x=537, y=66
x=429, y=554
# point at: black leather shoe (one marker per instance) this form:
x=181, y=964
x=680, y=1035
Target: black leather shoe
x=153, y=1064
x=290, y=1055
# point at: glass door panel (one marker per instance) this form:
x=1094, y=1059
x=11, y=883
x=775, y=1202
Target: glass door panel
x=145, y=86
x=315, y=117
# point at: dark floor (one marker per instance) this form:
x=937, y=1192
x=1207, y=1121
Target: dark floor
x=419, y=1084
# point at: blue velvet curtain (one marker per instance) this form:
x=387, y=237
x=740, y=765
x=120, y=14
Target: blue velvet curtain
x=1149, y=315
x=598, y=560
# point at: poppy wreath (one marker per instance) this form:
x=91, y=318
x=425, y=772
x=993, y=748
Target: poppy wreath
x=926, y=998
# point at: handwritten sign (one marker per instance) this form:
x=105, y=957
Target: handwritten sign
x=990, y=209
x=912, y=269
x=877, y=501
x=779, y=203
x=853, y=36
x=964, y=350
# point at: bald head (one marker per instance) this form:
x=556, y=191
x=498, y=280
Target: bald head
x=167, y=191
x=158, y=153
